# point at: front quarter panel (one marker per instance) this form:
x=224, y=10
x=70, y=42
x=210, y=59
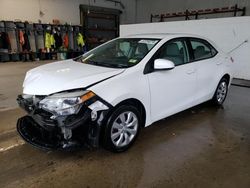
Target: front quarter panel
x=131, y=84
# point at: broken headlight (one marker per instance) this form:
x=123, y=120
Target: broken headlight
x=65, y=103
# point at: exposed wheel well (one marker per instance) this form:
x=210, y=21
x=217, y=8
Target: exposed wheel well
x=136, y=103
x=227, y=77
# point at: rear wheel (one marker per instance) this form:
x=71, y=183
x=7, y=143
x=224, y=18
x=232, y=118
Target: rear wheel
x=221, y=92
x=122, y=128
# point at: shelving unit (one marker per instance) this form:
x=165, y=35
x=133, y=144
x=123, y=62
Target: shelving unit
x=195, y=14
x=36, y=34
x=4, y=52
x=10, y=29
x=99, y=24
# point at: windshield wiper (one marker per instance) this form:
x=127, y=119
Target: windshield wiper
x=107, y=64
x=122, y=66
x=93, y=62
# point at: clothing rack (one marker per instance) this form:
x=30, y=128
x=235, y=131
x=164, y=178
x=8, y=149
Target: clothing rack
x=36, y=34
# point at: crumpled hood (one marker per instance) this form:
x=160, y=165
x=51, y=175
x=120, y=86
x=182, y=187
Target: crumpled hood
x=64, y=75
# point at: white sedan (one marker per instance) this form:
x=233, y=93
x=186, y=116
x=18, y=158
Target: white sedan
x=108, y=94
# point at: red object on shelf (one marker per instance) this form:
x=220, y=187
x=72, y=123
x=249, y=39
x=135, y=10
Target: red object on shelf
x=196, y=13
x=225, y=8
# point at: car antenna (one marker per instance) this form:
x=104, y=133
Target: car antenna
x=238, y=46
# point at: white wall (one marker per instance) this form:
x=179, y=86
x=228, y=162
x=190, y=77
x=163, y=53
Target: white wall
x=64, y=10
x=227, y=33
x=147, y=7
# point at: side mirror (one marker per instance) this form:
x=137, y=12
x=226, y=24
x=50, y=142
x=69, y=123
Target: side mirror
x=163, y=64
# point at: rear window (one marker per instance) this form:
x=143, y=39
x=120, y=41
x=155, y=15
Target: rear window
x=202, y=49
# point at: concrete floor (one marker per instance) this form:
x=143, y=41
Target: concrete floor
x=201, y=147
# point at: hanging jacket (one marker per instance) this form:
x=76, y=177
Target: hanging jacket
x=26, y=45
x=52, y=41
x=1, y=41
x=80, y=40
x=66, y=41
x=21, y=38
x=58, y=40
x=47, y=40
x=5, y=41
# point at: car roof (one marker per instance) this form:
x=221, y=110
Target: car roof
x=163, y=35
x=170, y=36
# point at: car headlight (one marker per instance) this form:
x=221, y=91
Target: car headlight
x=66, y=103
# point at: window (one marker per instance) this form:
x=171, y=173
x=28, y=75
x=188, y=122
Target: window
x=202, y=49
x=119, y=53
x=175, y=51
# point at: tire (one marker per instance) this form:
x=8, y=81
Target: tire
x=122, y=128
x=221, y=92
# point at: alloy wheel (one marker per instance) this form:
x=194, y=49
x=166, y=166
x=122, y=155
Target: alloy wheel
x=221, y=92
x=124, y=129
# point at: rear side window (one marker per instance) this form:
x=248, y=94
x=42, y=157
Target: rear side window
x=202, y=49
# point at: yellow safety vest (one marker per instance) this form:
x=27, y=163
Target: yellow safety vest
x=47, y=40
x=52, y=40
x=80, y=40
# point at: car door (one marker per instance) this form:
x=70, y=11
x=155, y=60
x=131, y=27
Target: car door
x=172, y=90
x=208, y=68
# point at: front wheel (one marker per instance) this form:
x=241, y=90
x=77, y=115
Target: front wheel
x=122, y=128
x=221, y=92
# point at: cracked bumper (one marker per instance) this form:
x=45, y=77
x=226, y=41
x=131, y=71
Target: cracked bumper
x=34, y=134
x=38, y=129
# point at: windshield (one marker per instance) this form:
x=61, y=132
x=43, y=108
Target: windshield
x=120, y=53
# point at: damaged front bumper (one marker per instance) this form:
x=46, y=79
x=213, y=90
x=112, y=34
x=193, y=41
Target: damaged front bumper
x=43, y=130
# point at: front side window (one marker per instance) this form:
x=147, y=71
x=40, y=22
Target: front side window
x=202, y=49
x=175, y=51
x=120, y=53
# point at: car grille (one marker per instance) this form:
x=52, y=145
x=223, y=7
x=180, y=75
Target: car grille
x=42, y=117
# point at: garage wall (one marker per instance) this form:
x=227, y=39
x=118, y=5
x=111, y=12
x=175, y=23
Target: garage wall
x=227, y=33
x=147, y=7
x=64, y=10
